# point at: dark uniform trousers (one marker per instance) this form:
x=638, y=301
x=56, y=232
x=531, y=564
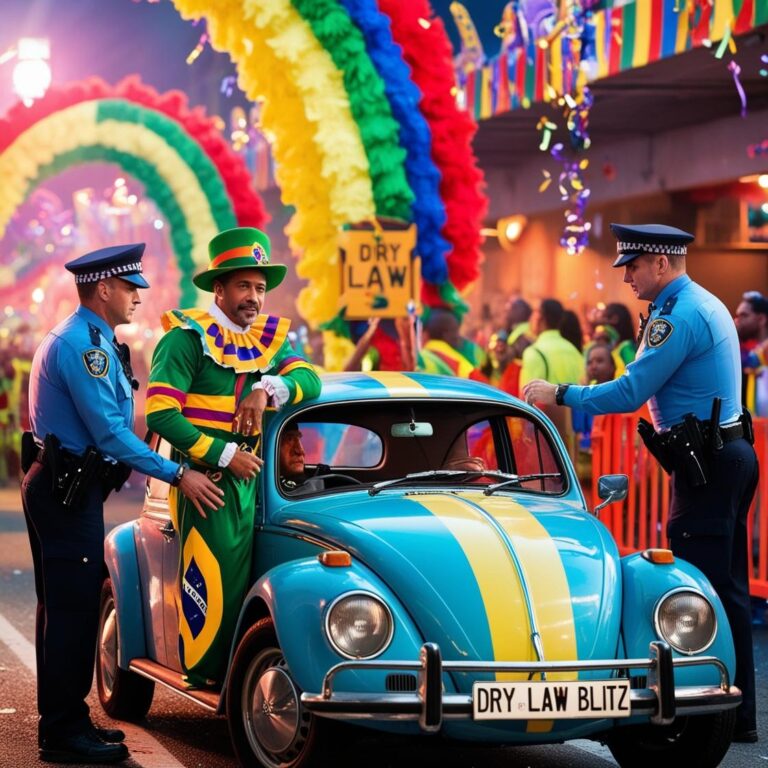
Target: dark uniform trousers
x=708, y=528
x=68, y=556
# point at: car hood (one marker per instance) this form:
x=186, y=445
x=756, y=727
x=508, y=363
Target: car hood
x=477, y=572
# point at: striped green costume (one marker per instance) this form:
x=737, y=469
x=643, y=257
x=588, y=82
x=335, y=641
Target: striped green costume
x=198, y=369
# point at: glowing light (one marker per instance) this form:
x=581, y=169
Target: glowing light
x=764, y=208
x=8, y=310
x=158, y=224
x=763, y=180
x=119, y=182
x=32, y=75
x=38, y=295
x=425, y=23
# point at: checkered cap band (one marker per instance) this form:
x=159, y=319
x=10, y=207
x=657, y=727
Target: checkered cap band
x=664, y=248
x=94, y=277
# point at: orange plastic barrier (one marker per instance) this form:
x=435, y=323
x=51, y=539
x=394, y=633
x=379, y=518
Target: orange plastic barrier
x=640, y=521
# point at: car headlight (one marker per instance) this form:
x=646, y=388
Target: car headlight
x=686, y=620
x=359, y=625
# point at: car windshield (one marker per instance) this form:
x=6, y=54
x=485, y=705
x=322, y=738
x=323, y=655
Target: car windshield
x=400, y=443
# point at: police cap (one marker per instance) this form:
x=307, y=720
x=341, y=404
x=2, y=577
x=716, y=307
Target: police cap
x=123, y=261
x=635, y=240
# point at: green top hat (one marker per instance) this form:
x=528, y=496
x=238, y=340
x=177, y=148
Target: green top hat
x=239, y=248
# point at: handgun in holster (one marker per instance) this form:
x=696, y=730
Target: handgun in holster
x=81, y=477
x=53, y=458
x=686, y=443
x=29, y=451
x=655, y=445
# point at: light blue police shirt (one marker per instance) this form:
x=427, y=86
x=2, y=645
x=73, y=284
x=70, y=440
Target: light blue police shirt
x=689, y=354
x=79, y=392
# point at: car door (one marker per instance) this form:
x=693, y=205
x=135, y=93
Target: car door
x=158, y=566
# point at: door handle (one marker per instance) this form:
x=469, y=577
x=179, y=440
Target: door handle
x=168, y=531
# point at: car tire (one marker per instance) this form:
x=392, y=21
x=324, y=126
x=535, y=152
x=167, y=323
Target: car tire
x=123, y=695
x=289, y=737
x=700, y=740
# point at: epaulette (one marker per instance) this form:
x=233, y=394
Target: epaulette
x=669, y=305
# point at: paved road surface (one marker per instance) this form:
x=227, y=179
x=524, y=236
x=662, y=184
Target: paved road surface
x=180, y=735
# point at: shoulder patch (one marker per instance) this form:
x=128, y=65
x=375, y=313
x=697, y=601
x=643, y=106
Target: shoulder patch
x=659, y=331
x=96, y=362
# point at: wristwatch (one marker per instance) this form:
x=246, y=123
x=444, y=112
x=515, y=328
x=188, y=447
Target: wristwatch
x=179, y=474
x=560, y=391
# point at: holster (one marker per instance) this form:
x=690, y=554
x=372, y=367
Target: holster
x=686, y=443
x=746, y=423
x=115, y=476
x=80, y=477
x=655, y=445
x=29, y=451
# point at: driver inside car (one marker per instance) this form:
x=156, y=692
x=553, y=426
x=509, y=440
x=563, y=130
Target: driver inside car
x=459, y=457
x=294, y=477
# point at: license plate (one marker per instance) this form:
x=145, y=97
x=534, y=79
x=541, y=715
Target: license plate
x=550, y=700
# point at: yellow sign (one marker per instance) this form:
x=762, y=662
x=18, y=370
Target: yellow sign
x=380, y=273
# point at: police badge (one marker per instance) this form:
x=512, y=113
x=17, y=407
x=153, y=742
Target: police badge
x=659, y=331
x=96, y=362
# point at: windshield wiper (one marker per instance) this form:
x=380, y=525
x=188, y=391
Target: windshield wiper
x=432, y=474
x=517, y=479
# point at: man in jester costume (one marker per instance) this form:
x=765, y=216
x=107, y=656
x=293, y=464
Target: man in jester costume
x=214, y=372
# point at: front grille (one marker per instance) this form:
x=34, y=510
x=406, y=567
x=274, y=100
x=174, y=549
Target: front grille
x=401, y=683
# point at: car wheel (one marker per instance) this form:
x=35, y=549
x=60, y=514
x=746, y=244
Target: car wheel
x=123, y=695
x=267, y=724
x=701, y=740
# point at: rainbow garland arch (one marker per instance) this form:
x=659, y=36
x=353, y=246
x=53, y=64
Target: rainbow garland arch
x=626, y=36
x=363, y=128
x=188, y=169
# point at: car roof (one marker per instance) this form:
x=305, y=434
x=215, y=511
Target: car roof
x=339, y=387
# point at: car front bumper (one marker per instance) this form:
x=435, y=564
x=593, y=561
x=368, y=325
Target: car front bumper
x=660, y=700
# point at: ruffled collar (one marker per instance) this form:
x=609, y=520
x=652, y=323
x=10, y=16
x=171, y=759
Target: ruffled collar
x=244, y=350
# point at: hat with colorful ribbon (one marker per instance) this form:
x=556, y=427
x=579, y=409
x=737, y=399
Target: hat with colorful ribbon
x=239, y=248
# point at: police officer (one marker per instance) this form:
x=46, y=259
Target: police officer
x=81, y=413
x=688, y=356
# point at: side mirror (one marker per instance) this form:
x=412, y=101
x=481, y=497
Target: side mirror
x=611, y=488
x=412, y=429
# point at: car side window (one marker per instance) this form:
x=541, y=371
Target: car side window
x=341, y=445
x=157, y=489
x=533, y=453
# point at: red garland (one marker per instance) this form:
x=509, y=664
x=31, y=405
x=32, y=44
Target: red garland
x=247, y=205
x=452, y=131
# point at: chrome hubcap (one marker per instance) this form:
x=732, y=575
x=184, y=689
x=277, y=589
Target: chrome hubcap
x=273, y=709
x=108, y=647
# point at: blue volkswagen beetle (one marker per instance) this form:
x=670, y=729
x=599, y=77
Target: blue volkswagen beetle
x=435, y=570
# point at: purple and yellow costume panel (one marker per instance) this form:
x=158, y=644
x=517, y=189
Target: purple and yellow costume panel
x=197, y=370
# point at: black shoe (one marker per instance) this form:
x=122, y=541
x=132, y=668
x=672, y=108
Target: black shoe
x=745, y=737
x=110, y=735
x=82, y=748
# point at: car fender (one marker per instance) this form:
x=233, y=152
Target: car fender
x=122, y=565
x=300, y=620
x=645, y=583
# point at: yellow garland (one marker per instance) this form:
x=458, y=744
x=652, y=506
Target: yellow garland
x=75, y=127
x=336, y=350
x=322, y=168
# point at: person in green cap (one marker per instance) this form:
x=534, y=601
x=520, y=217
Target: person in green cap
x=214, y=373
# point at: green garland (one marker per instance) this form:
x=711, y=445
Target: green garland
x=156, y=189
x=379, y=131
x=187, y=148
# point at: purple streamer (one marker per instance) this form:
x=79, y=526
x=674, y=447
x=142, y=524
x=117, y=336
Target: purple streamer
x=736, y=71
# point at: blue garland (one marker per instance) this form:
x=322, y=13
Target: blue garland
x=404, y=97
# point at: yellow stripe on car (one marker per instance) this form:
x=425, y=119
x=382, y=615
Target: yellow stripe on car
x=404, y=384
x=492, y=563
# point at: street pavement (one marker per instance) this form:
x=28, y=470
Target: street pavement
x=178, y=734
